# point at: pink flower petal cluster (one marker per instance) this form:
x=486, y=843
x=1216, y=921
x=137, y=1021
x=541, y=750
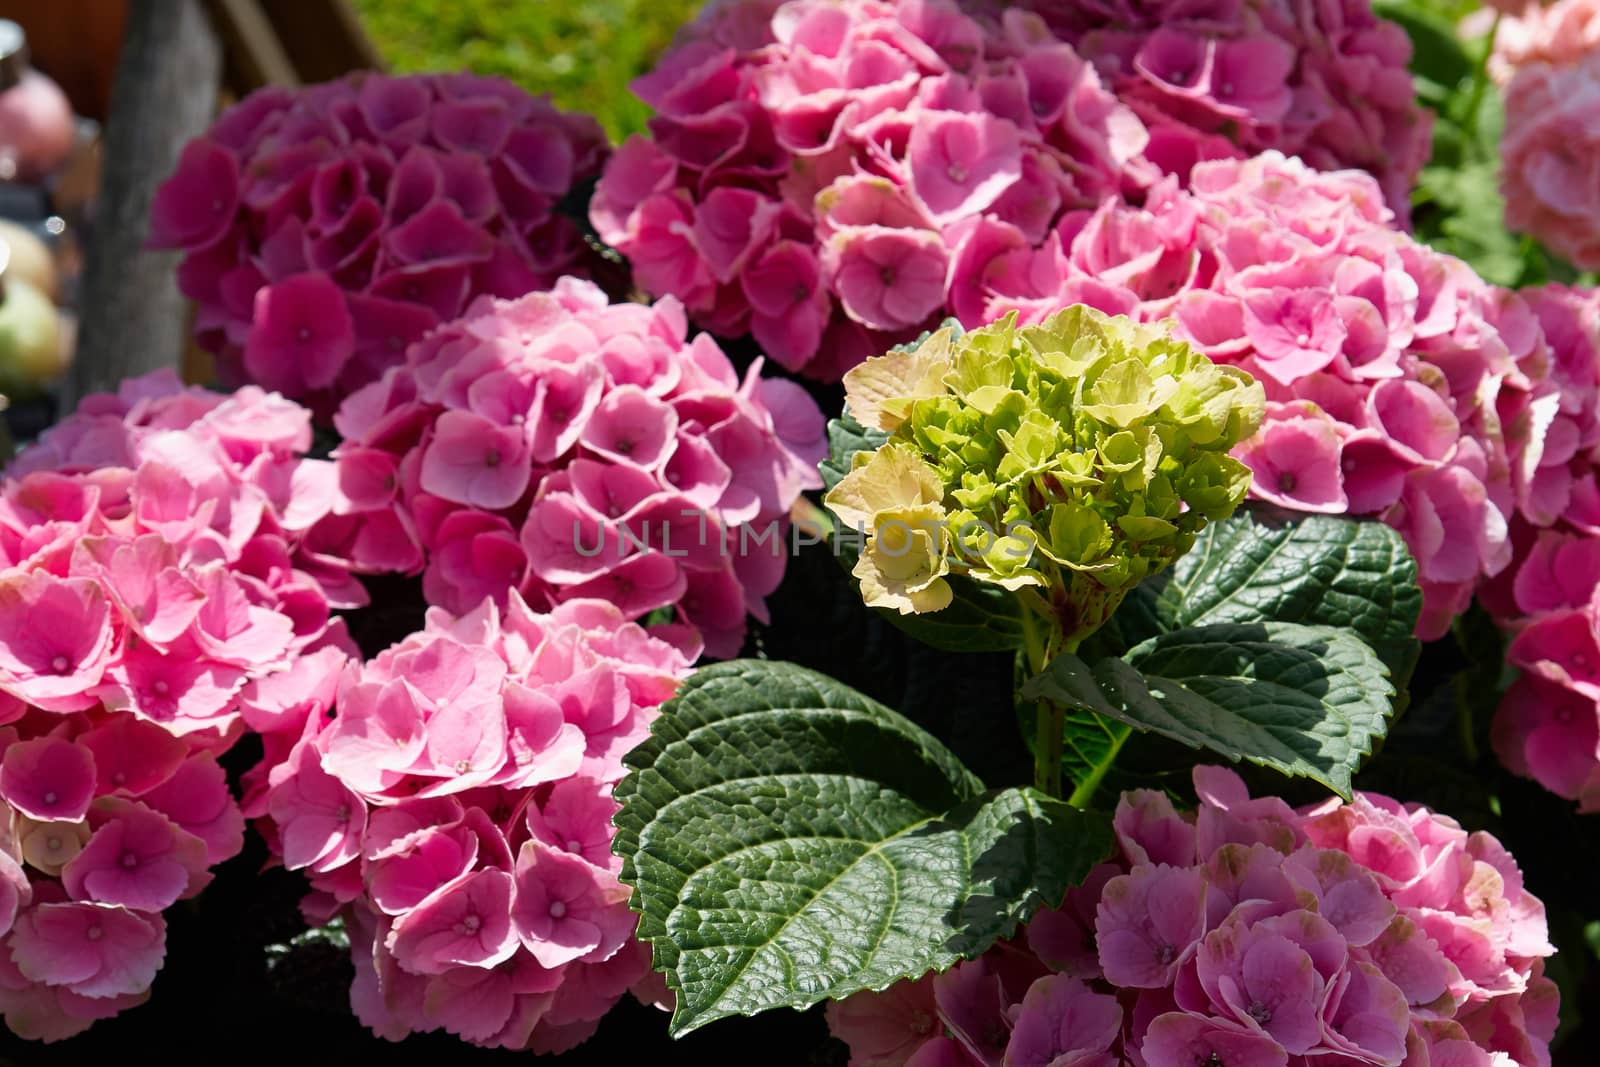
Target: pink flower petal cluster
x=1327, y=82
x=819, y=172
x=156, y=556
x=565, y=448
x=1385, y=363
x=456, y=810
x=1560, y=34
x=324, y=229
x=1548, y=724
x=814, y=169
x=154, y=579
x=1550, y=157
x=1251, y=934
x=109, y=820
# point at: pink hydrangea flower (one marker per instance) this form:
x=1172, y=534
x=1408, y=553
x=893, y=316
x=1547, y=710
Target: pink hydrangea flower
x=455, y=808
x=1560, y=34
x=156, y=577
x=873, y=136
x=1399, y=384
x=808, y=170
x=1546, y=725
x=49, y=779
x=1549, y=158
x=1357, y=932
x=93, y=950
x=325, y=229
x=1327, y=83
x=564, y=447
x=137, y=858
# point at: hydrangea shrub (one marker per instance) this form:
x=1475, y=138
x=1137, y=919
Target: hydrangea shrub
x=823, y=175
x=157, y=579
x=1127, y=265
x=567, y=448
x=324, y=229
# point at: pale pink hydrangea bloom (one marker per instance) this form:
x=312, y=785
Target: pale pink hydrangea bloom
x=451, y=799
x=563, y=447
x=326, y=228
x=155, y=579
x=1550, y=158
x=1367, y=932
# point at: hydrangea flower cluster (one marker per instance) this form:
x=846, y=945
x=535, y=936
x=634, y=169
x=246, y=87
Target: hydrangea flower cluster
x=326, y=228
x=1550, y=157
x=568, y=448
x=156, y=575
x=1254, y=935
x=815, y=169
x=456, y=811
x=1528, y=32
x=1382, y=360
x=1074, y=458
x=826, y=175
x=1327, y=82
x=1548, y=725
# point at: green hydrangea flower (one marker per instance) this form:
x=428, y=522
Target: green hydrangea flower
x=1066, y=461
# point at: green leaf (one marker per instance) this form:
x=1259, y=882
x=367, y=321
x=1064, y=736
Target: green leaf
x=789, y=840
x=1271, y=566
x=1437, y=51
x=1305, y=700
x=981, y=617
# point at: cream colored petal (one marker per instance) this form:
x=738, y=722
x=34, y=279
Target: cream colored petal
x=880, y=390
x=895, y=476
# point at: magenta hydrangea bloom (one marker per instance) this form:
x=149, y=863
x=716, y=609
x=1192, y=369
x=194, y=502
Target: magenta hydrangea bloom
x=451, y=800
x=563, y=447
x=821, y=174
x=813, y=169
x=154, y=576
x=325, y=229
x=1367, y=932
x=1398, y=381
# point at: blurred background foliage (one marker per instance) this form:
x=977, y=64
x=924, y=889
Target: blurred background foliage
x=583, y=54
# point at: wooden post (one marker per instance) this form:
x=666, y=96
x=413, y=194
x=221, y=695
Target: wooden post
x=133, y=319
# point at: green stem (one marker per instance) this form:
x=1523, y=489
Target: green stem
x=1033, y=640
x=1044, y=643
x=1047, y=748
x=1480, y=82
